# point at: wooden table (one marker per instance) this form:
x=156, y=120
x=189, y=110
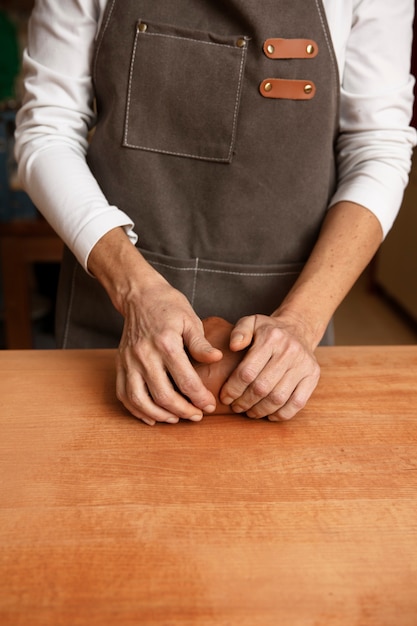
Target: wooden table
x=106, y=521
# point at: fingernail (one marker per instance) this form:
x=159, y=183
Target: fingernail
x=227, y=400
x=196, y=418
x=238, y=337
x=209, y=408
x=172, y=420
x=237, y=409
x=148, y=421
x=274, y=419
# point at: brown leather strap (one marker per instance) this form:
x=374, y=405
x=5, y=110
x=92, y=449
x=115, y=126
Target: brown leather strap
x=290, y=48
x=287, y=89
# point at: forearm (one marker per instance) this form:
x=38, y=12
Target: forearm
x=159, y=323
x=121, y=269
x=349, y=238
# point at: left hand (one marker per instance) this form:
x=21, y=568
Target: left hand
x=279, y=372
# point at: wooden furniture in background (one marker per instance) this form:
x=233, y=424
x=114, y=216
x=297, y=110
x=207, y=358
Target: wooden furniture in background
x=230, y=521
x=23, y=243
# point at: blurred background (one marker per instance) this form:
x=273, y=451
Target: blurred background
x=381, y=308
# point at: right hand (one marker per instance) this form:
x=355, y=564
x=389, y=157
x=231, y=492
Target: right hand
x=155, y=378
x=159, y=325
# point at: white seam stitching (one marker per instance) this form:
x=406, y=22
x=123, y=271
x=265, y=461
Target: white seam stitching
x=208, y=43
x=194, y=281
x=184, y=154
x=238, y=90
x=129, y=91
x=211, y=271
x=101, y=38
x=328, y=43
x=127, y=144
x=258, y=274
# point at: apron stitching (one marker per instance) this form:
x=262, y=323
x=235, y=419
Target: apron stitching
x=207, y=43
x=235, y=112
x=238, y=91
x=103, y=30
x=129, y=91
x=197, y=269
x=256, y=274
x=69, y=310
x=185, y=154
x=329, y=44
x=172, y=267
x=194, y=282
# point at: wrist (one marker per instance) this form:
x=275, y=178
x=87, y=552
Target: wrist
x=306, y=323
x=120, y=268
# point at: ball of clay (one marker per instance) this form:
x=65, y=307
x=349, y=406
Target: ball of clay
x=217, y=331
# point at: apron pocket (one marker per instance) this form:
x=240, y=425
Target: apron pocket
x=180, y=273
x=233, y=291
x=229, y=290
x=184, y=92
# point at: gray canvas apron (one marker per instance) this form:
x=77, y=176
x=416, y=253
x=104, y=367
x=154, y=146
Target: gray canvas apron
x=215, y=134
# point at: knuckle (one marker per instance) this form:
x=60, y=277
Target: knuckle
x=161, y=398
x=294, y=351
x=260, y=388
x=139, y=352
x=187, y=384
x=278, y=397
x=165, y=343
x=316, y=371
x=247, y=375
x=293, y=406
x=298, y=402
x=133, y=398
x=275, y=334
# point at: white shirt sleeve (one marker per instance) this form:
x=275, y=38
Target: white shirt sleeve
x=54, y=121
x=373, y=44
x=372, y=41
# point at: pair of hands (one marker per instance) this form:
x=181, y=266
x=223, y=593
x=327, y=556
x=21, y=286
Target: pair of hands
x=170, y=365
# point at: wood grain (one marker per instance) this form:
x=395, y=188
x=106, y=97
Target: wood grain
x=230, y=521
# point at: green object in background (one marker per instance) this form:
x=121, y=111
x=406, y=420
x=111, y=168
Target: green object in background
x=9, y=57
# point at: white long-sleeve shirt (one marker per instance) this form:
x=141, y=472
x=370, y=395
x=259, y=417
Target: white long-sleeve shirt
x=372, y=41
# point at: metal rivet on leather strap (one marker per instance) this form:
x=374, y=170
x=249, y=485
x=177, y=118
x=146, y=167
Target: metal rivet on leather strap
x=241, y=43
x=308, y=88
x=142, y=27
x=270, y=49
x=310, y=49
x=267, y=86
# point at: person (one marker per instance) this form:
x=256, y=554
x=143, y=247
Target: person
x=205, y=158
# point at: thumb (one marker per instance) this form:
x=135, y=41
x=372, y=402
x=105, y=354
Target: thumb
x=200, y=349
x=242, y=334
